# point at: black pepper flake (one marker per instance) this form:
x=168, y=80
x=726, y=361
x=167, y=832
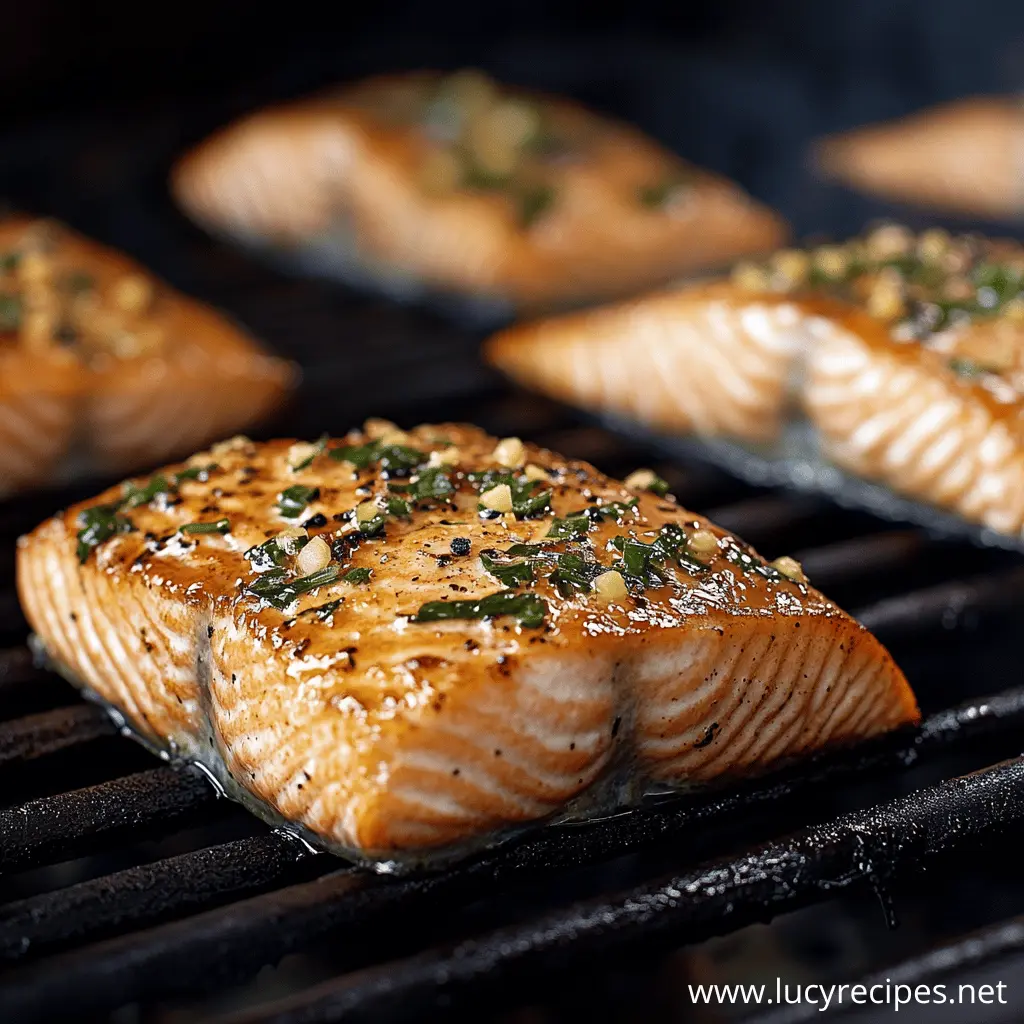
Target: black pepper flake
x=209, y=632
x=461, y=546
x=315, y=522
x=615, y=726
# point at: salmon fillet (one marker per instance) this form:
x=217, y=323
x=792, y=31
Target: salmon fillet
x=965, y=157
x=411, y=684
x=456, y=184
x=100, y=361
x=904, y=352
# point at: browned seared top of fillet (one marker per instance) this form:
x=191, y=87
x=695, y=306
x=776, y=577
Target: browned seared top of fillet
x=359, y=550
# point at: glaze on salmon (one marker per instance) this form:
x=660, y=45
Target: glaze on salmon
x=451, y=670
x=456, y=184
x=905, y=353
x=103, y=364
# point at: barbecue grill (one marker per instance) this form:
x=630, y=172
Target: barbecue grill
x=130, y=892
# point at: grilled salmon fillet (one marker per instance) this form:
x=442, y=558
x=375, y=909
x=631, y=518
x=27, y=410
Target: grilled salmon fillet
x=455, y=184
x=405, y=645
x=101, y=361
x=965, y=157
x=905, y=352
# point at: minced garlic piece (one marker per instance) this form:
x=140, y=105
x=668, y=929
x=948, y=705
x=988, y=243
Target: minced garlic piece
x=290, y=539
x=133, y=293
x=313, y=557
x=300, y=452
x=533, y=472
x=703, y=542
x=641, y=480
x=611, y=587
x=886, y=300
x=510, y=453
x=792, y=265
x=750, y=277
x=498, y=498
x=790, y=568
x=238, y=443
x=445, y=457
x=384, y=430
x=366, y=511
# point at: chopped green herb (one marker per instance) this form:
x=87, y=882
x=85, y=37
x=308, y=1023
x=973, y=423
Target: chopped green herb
x=292, y=501
x=9, y=260
x=657, y=486
x=397, y=507
x=574, y=572
x=135, y=496
x=508, y=573
x=393, y=458
x=571, y=527
x=479, y=178
x=657, y=196
x=524, y=503
x=278, y=590
x=429, y=484
x=358, y=575
x=98, y=524
x=645, y=562
x=201, y=473
x=220, y=526
x=324, y=611
x=534, y=203
x=77, y=281
x=10, y=312
x=318, y=449
x=528, y=609
x=969, y=368
x=266, y=556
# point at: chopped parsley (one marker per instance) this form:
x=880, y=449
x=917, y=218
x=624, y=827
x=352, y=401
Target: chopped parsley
x=358, y=575
x=428, y=485
x=292, y=501
x=98, y=524
x=394, y=459
x=534, y=202
x=324, y=611
x=644, y=563
x=528, y=609
x=10, y=312
x=510, y=573
x=969, y=369
x=578, y=524
x=267, y=555
x=278, y=590
x=659, y=195
x=220, y=526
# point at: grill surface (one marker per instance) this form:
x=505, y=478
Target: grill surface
x=126, y=882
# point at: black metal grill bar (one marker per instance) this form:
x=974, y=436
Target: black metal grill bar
x=262, y=929
x=69, y=824
x=50, y=731
x=848, y=561
x=141, y=895
x=765, y=516
x=944, y=605
x=974, y=950
x=869, y=846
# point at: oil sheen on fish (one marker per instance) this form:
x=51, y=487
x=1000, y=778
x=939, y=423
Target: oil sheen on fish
x=904, y=352
x=406, y=645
